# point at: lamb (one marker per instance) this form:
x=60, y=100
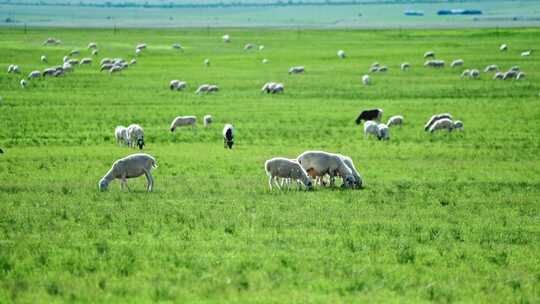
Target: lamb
x=286, y=169
x=207, y=62
x=429, y=54
x=503, y=48
x=86, y=61
x=24, y=83
x=491, y=68
x=183, y=121
x=366, y=80
x=297, y=70
x=341, y=54
x=207, y=120
x=92, y=45
x=34, y=74
x=383, y=132
x=436, y=117
x=434, y=63
x=135, y=135
x=526, y=53
x=396, y=120
x=520, y=76
x=446, y=124
x=405, y=66
x=44, y=59
x=131, y=166
x=370, y=128
x=318, y=163
x=120, y=134
x=457, y=62
x=372, y=114
x=177, y=85
x=226, y=38
x=228, y=136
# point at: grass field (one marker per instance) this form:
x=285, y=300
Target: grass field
x=444, y=217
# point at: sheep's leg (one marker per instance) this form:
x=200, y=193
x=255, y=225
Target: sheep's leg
x=276, y=183
x=270, y=179
x=283, y=181
x=124, y=183
x=332, y=180
x=150, y=181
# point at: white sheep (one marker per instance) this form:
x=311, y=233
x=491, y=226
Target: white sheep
x=73, y=61
x=120, y=133
x=133, y=61
x=135, y=135
x=341, y=54
x=510, y=74
x=520, y=76
x=319, y=163
x=51, y=41
x=273, y=87
x=297, y=70
x=366, y=80
x=396, y=120
x=383, y=132
x=475, y=73
x=115, y=69
x=265, y=61
x=261, y=47
x=12, y=68
x=526, y=53
x=429, y=54
x=95, y=52
x=503, y=48
x=370, y=128
x=44, y=59
x=226, y=38
x=74, y=53
x=436, y=117
x=498, y=75
x=67, y=67
x=207, y=120
x=491, y=68
x=181, y=121
x=92, y=45
x=131, y=166
x=405, y=66
x=141, y=46
x=177, y=46
x=457, y=62
x=466, y=73
x=207, y=88
x=86, y=60
x=228, y=136
x=382, y=69
x=24, y=83
x=65, y=59
x=177, y=85
x=138, y=52
x=446, y=124
x=287, y=169
x=105, y=61
x=458, y=125
x=207, y=62
x=248, y=46
x=434, y=63
x=34, y=74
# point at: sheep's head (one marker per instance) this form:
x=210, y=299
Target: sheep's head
x=140, y=143
x=348, y=182
x=103, y=184
x=309, y=184
x=230, y=143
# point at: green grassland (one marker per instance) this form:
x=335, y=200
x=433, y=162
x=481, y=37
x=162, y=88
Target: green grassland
x=449, y=217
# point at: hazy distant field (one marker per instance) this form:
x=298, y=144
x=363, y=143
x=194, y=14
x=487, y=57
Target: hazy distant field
x=445, y=217
x=498, y=13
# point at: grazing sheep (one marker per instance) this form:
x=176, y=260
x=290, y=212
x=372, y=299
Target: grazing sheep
x=49, y=71
x=228, y=136
x=207, y=88
x=366, y=80
x=73, y=61
x=510, y=74
x=105, y=61
x=65, y=59
x=370, y=128
x=207, y=62
x=498, y=75
x=503, y=48
x=434, y=63
x=135, y=135
x=273, y=87
x=297, y=70
x=374, y=69
x=475, y=73
x=491, y=68
x=382, y=69
x=86, y=61
x=466, y=73
x=131, y=166
x=396, y=120
x=429, y=54
x=115, y=69
x=44, y=59
x=372, y=114
x=92, y=45
x=24, y=83
x=74, y=53
x=120, y=133
x=52, y=41
x=286, y=169
x=177, y=46
x=138, y=52
x=526, y=53
x=141, y=46
x=383, y=132
x=12, y=68
x=515, y=68
x=457, y=62
x=436, y=117
x=226, y=38
x=520, y=76
x=207, y=120
x=265, y=61
x=95, y=52
x=67, y=67
x=319, y=163
x=341, y=54
x=445, y=124
x=177, y=85
x=261, y=47
x=405, y=66
x=34, y=74
x=106, y=67
x=133, y=61
x=181, y=121
x=248, y=46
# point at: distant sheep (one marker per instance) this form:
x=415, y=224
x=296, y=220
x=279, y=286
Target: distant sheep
x=92, y=45
x=12, y=68
x=131, y=166
x=383, y=132
x=457, y=62
x=207, y=62
x=177, y=46
x=434, y=119
x=261, y=47
x=74, y=53
x=248, y=46
x=503, y=48
x=341, y=54
x=265, y=61
x=120, y=133
x=520, y=76
x=228, y=136
x=52, y=41
x=207, y=88
x=105, y=61
x=34, y=74
x=207, y=120
x=95, y=52
x=526, y=53
x=491, y=68
x=370, y=128
x=181, y=121
x=366, y=80
x=429, y=54
x=273, y=87
x=396, y=120
x=44, y=59
x=297, y=70
x=24, y=83
x=86, y=61
x=434, y=63
x=510, y=74
x=226, y=38
x=498, y=75
x=141, y=46
x=373, y=114
x=405, y=66
x=286, y=169
x=135, y=134
x=177, y=85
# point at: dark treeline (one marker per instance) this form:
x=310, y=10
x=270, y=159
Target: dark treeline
x=127, y=4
